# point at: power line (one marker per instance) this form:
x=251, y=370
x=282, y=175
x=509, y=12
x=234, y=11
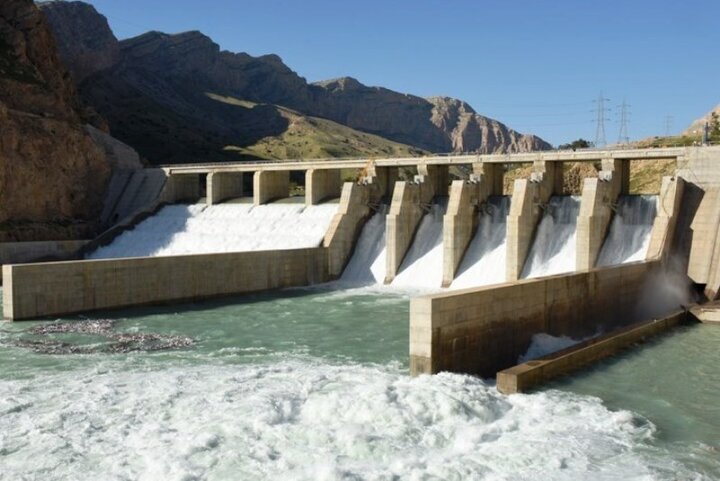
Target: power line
x=600, y=110
x=623, y=137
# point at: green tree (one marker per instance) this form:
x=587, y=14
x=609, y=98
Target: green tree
x=577, y=144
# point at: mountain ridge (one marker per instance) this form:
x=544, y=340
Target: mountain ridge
x=170, y=73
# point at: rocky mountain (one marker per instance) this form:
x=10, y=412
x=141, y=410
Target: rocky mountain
x=159, y=95
x=52, y=176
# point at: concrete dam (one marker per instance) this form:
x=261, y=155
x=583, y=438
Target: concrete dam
x=490, y=265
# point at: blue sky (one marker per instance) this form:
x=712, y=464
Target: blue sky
x=534, y=65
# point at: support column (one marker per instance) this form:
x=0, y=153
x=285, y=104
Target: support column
x=663, y=230
x=525, y=212
x=321, y=184
x=381, y=181
x=598, y=197
x=181, y=187
x=270, y=185
x=460, y=221
x=435, y=177
x=346, y=226
x=223, y=185
x=406, y=211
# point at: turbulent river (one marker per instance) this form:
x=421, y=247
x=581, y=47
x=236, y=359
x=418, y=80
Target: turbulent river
x=313, y=384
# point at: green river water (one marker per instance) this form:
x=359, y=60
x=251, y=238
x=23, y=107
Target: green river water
x=313, y=384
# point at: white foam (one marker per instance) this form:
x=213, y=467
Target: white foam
x=306, y=419
x=195, y=229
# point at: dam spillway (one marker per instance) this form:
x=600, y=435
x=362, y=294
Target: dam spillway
x=230, y=227
x=630, y=229
x=310, y=368
x=553, y=250
x=484, y=261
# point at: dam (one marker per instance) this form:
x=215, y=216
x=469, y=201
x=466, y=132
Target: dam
x=298, y=331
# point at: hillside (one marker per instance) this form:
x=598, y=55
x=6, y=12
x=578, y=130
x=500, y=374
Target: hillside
x=52, y=175
x=154, y=94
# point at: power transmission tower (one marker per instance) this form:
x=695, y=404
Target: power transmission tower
x=600, y=111
x=668, y=125
x=623, y=137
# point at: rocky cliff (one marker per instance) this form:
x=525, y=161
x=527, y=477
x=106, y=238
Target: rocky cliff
x=698, y=126
x=94, y=46
x=52, y=175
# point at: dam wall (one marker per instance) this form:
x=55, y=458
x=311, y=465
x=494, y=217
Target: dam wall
x=56, y=288
x=482, y=331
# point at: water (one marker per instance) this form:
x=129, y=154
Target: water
x=629, y=234
x=553, y=250
x=422, y=266
x=197, y=229
x=484, y=261
x=367, y=264
x=312, y=384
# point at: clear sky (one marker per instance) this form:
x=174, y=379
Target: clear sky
x=534, y=65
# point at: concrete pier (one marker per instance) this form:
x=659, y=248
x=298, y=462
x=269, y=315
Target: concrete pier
x=599, y=196
x=269, y=185
x=223, y=185
x=346, y=225
x=663, y=230
x=529, y=195
x=460, y=221
x=322, y=184
x=181, y=188
x=410, y=202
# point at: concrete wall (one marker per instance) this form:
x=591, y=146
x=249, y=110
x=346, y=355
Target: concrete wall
x=460, y=221
x=19, y=252
x=269, y=185
x=57, y=288
x=482, y=331
x=346, y=225
x=223, y=185
x=322, y=184
x=381, y=181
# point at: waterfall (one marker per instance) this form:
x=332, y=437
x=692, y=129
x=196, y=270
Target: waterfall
x=484, y=261
x=422, y=266
x=553, y=250
x=629, y=234
x=197, y=229
x=367, y=264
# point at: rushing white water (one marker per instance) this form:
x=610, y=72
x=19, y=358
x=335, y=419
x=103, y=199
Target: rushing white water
x=305, y=419
x=629, y=234
x=553, y=250
x=422, y=266
x=367, y=264
x=484, y=261
x=195, y=229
